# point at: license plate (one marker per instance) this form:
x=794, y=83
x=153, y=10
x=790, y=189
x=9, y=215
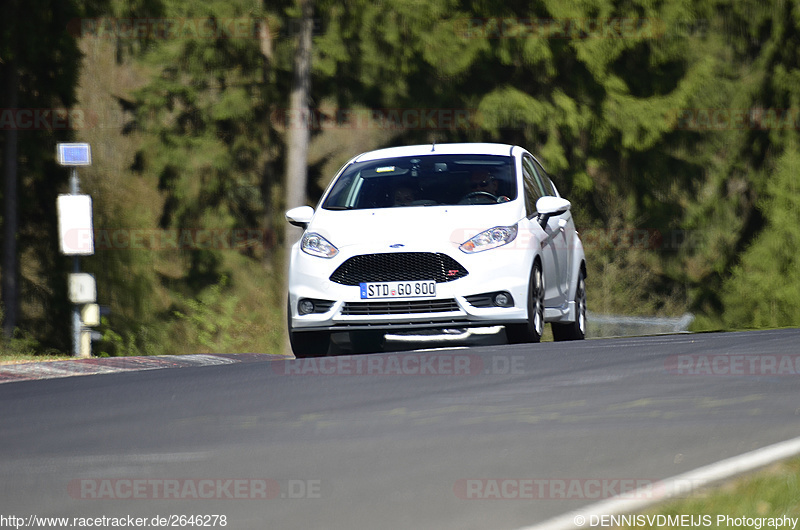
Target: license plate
x=371, y=290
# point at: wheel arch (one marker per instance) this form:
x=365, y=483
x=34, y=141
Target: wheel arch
x=537, y=259
x=578, y=266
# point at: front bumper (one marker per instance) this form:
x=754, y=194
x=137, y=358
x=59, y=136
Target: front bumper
x=489, y=272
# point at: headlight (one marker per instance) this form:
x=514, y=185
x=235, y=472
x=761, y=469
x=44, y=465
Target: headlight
x=316, y=245
x=489, y=239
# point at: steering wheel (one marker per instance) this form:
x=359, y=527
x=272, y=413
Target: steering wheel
x=474, y=194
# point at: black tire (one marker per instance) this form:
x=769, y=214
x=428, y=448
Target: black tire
x=574, y=330
x=310, y=343
x=532, y=330
x=307, y=343
x=366, y=341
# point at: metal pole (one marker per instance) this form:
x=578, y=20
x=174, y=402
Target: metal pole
x=76, y=316
x=74, y=189
x=76, y=267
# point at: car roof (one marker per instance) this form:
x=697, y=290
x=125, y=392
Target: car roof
x=438, y=149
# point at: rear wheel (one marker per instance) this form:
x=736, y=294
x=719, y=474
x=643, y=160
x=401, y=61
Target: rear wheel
x=574, y=330
x=307, y=343
x=532, y=330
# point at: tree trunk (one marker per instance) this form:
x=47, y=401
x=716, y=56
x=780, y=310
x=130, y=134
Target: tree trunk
x=267, y=176
x=298, y=118
x=10, y=217
x=298, y=133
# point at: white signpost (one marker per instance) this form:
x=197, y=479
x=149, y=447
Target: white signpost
x=82, y=288
x=76, y=238
x=75, y=233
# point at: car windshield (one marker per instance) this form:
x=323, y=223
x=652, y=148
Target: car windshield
x=430, y=180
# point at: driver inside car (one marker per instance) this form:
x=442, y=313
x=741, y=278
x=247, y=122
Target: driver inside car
x=483, y=181
x=404, y=196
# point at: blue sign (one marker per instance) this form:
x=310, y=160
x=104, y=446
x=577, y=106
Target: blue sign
x=74, y=155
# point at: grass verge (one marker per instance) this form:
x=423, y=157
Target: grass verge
x=746, y=502
x=19, y=358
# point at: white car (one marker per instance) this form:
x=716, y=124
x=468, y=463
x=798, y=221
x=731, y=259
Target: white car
x=436, y=236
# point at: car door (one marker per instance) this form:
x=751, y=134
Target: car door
x=533, y=190
x=568, y=232
x=555, y=257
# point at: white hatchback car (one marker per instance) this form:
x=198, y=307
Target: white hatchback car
x=436, y=236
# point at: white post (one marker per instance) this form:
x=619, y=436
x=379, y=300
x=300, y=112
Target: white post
x=73, y=155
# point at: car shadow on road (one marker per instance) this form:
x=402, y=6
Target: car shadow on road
x=427, y=339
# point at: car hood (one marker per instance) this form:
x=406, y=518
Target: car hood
x=411, y=226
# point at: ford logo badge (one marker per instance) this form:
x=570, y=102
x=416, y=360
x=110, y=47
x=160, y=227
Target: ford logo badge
x=396, y=245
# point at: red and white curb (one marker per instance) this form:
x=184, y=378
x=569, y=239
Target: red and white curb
x=108, y=365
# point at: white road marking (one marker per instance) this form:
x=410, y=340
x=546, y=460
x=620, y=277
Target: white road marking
x=673, y=487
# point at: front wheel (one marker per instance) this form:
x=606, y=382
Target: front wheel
x=310, y=343
x=366, y=341
x=307, y=343
x=574, y=330
x=532, y=330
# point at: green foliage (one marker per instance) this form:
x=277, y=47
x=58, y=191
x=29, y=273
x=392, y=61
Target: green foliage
x=38, y=48
x=207, y=148
x=210, y=318
x=764, y=289
x=200, y=147
x=769, y=493
x=207, y=113
x=21, y=344
x=144, y=340
x=747, y=265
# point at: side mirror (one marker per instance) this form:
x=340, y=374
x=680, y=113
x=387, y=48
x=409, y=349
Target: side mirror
x=549, y=206
x=300, y=216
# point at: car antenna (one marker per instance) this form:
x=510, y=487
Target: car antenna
x=433, y=145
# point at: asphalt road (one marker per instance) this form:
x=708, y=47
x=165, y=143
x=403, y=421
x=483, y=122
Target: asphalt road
x=443, y=439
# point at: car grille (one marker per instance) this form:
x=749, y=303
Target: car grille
x=400, y=308
x=398, y=267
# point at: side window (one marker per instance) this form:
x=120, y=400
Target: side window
x=532, y=190
x=546, y=182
